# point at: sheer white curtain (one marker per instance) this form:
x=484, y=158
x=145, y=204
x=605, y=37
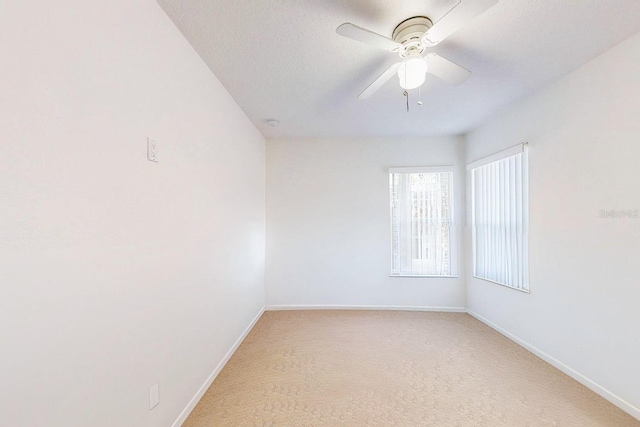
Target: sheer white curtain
x=500, y=219
x=421, y=222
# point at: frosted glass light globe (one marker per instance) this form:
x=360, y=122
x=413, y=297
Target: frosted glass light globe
x=412, y=72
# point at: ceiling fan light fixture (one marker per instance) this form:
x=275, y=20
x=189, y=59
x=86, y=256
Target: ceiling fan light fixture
x=412, y=72
x=411, y=38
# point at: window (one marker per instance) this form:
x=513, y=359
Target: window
x=422, y=232
x=500, y=218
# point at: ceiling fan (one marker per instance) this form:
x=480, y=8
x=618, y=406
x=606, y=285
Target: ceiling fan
x=411, y=38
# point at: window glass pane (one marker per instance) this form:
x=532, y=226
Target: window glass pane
x=421, y=223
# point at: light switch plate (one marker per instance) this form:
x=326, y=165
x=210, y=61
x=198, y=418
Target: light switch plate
x=154, y=396
x=152, y=150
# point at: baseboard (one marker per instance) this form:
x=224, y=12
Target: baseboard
x=366, y=307
x=201, y=391
x=592, y=385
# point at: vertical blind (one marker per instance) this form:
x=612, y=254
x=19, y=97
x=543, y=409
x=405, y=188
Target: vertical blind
x=421, y=222
x=500, y=220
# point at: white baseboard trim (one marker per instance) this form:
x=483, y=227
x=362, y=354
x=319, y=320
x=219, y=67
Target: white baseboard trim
x=201, y=391
x=592, y=385
x=365, y=307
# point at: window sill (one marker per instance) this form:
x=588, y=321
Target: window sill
x=525, y=291
x=417, y=276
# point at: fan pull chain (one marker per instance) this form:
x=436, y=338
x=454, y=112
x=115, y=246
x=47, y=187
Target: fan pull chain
x=419, y=95
x=406, y=94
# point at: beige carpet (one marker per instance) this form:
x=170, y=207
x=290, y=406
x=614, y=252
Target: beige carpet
x=385, y=368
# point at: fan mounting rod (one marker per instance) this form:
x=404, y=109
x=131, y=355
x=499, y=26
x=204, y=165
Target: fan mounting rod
x=409, y=34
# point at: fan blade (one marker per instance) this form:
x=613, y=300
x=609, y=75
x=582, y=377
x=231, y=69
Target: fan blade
x=457, y=17
x=446, y=70
x=365, y=36
x=380, y=81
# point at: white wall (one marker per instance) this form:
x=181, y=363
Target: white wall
x=117, y=273
x=328, y=232
x=584, y=139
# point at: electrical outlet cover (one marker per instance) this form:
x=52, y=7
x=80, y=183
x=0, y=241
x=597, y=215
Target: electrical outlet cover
x=154, y=396
x=152, y=150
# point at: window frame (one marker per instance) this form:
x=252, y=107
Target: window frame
x=453, y=250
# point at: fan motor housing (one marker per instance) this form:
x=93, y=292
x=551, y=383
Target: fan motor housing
x=409, y=32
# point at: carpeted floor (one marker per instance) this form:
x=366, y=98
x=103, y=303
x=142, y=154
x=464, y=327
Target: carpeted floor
x=392, y=368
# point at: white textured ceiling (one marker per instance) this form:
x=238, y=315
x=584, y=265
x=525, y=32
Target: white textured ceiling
x=282, y=59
